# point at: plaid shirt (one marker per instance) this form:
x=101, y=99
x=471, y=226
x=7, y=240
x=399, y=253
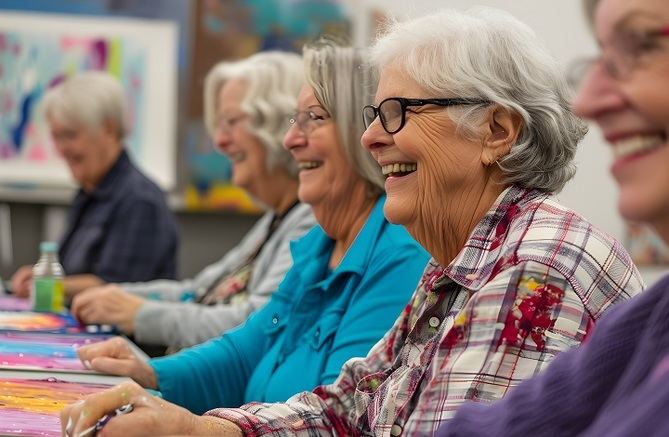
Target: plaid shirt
x=529, y=283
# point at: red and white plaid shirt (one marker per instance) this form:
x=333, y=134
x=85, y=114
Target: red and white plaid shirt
x=530, y=282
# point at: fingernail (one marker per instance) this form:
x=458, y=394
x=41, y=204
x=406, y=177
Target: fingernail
x=87, y=364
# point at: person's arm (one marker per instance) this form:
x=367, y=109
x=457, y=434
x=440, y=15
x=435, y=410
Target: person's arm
x=137, y=244
x=566, y=397
x=187, y=324
x=75, y=284
x=216, y=372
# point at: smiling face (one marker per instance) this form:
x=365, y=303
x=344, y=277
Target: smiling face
x=234, y=139
x=326, y=176
x=633, y=110
x=88, y=152
x=431, y=172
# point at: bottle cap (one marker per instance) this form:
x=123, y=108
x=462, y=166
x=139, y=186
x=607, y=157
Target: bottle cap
x=48, y=246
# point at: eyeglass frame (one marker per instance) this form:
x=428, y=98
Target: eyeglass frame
x=294, y=119
x=406, y=103
x=612, y=68
x=227, y=124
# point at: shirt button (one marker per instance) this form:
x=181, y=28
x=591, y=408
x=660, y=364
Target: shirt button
x=471, y=276
x=275, y=319
x=317, y=333
x=434, y=322
x=396, y=430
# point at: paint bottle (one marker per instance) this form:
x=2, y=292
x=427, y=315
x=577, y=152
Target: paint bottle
x=47, y=293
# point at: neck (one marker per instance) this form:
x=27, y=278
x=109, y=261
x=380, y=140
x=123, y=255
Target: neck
x=343, y=220
x=108, y=162
x=445, y=228
x=278, y=191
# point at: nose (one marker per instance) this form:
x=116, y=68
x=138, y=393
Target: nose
x=375, y=137
x=294, y=138
x=598, y=94
x=222, y=140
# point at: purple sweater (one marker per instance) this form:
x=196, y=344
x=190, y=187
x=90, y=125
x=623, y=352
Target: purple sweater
x=615, y=384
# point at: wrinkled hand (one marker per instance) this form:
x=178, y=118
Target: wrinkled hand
x=150, y=415
x=115, y=357
x=108, y=304
x=22, y=281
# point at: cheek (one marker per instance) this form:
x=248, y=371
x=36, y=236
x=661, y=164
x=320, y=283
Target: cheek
x=650, y=99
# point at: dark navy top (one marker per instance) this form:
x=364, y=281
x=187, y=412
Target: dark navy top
x=122, y=231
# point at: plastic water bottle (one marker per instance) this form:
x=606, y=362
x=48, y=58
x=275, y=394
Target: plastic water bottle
x=47, y=292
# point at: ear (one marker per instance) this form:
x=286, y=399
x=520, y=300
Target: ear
x=502, y=129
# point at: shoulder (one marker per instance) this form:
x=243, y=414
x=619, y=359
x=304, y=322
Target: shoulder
x=595, y=264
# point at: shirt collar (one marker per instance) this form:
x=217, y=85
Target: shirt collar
x=107, y=185
x=316, y=244
x=471, y=268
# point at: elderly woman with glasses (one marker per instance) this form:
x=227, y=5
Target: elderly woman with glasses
x=617, y=383
x=351, y=275
x=472, y=130
x=246, y=120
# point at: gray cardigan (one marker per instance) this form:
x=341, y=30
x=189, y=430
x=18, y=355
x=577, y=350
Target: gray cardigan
x=173, y=323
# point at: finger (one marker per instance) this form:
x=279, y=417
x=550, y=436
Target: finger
x=114, y=366
x=115, y=347
x=98, y=404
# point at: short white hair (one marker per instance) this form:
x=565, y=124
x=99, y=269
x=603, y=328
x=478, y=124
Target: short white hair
x=273, y=81
x=91, y=98
x=343, y=83
x=488, y=54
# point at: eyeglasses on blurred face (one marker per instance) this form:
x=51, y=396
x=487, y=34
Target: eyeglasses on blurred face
x=627, y=51
x=392, y=111
x=228, y=124
x=309, y=120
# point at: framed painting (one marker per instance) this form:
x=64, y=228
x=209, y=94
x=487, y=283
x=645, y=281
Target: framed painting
x=39, y=50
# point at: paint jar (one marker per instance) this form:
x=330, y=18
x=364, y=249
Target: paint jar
x=47, y=293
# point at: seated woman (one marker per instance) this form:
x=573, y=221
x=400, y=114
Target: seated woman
x=351, y=275
x=119, y=227
x=473, y=131
x=616, y=383
x=245, y=106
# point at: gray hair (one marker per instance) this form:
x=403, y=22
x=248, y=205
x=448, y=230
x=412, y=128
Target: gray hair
x=343, y=84
x=273, y=82
x=91, y=98
x=488, y=54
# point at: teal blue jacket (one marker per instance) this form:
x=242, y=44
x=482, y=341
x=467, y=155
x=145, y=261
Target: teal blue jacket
x=311, y=325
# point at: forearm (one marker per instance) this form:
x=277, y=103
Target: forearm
x=74, y=284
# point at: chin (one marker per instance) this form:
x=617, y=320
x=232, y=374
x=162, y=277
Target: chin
x=396, y=211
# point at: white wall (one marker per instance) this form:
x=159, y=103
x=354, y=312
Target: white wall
x=561, y=26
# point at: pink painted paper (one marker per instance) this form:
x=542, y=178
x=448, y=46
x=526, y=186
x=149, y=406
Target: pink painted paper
x=44, y=351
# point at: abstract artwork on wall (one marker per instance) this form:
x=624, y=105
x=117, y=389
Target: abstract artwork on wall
x=38, y=351
x=645, y=246
x=32, y=406
x=39, y=51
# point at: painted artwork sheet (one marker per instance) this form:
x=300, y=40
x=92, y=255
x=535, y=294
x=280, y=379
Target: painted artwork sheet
x=40, y=322
x=39, y=51
x=43, y=351
x=13, y=303
x=32, y=406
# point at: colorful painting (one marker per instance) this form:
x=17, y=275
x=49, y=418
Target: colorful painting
x=33, y=321
x=39, y=51
x=234, y=29
x=39, y=351
x=32, y=407
x=13, y=303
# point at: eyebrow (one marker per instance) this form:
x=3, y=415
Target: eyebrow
x=624, y=22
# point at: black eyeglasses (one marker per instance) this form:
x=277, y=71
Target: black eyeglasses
x=392, y=111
